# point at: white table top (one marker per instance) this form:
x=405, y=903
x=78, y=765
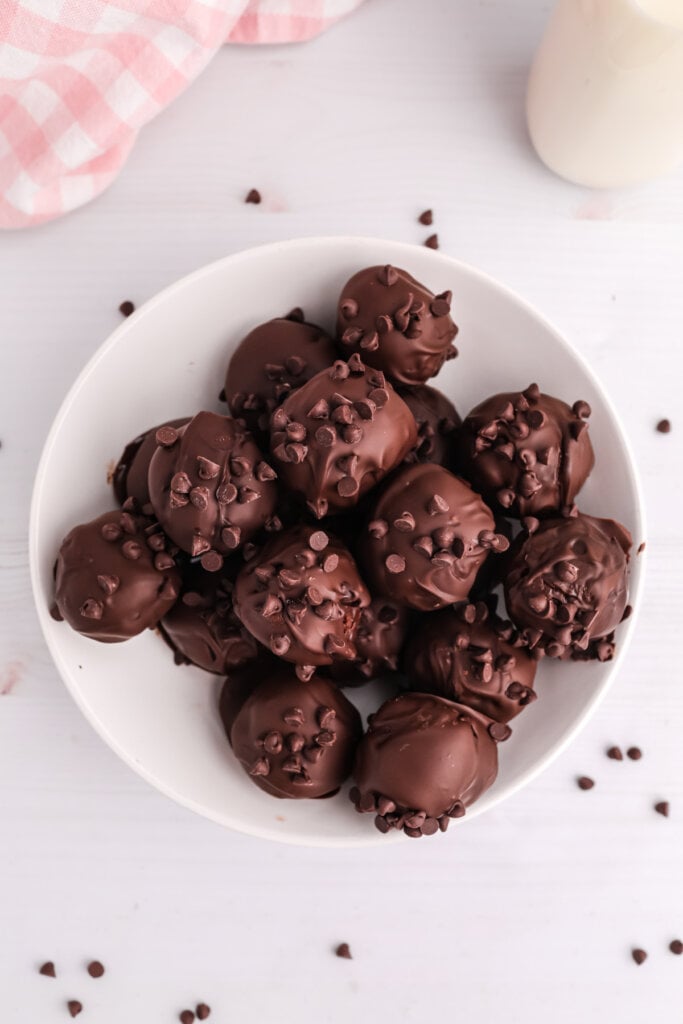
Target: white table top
x=530, y=913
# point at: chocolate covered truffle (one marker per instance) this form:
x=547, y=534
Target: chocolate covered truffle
x=211, y=487
x=301, y=597
x=379, y=640
x=130, y=475
x=527, y=453
x=114, y=576
x=396, y=324
x=423, y=761
x=471, y=656
x=202, y=627
x=427, y=536
x=339, y=434
x=275, y=358
x=567, y=584
x=296, y=739
x=437, y=423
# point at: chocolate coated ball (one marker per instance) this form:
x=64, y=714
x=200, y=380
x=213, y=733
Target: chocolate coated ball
x=437, y=424
x=130, y=475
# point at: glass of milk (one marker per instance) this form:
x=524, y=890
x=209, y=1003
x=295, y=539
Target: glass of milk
x=605, y=94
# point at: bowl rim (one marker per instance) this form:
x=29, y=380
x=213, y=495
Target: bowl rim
x=257, y=830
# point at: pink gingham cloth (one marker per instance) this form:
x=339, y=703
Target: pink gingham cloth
x=79, y=78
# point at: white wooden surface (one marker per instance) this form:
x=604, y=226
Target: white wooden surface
x=530, y=913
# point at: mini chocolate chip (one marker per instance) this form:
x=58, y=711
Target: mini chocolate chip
x=330, y=563
x=261, y=766
x=498, y=731
x=439, y=307
x=253, y=196
x=437, y=505
x=95, y=969
x=662, y=808
x=202, y=1011
x=127, y=307
x=325, y=436
x=395, y=564
x=166, y=436
x=347, y=487
x=92, y=609
x=108, y=583
x=426, y=218
x=378, y=528
x=74, y=1007
x=226, y=493
x=584, y=782
x=432, y=242
x=318, y=540
x=676, y=947
x=212, y=561
x=387, y=276
x=293, y=716
x=664, y=426
x=639, y=955
x=635, y=753
x=48, y=969
x=615, y=754
x=230, y=537
x=343, y=951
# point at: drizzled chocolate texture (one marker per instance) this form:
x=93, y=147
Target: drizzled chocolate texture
x=427, y=535
x=115, y=576
x=301, y=597
x=339, y=435
x=469, y=655
x=423, y=761
x=295, y=739
x=526, y=452
x=396, y=324
x=211, y=487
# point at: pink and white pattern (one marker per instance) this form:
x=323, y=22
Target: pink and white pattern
x=79, y=78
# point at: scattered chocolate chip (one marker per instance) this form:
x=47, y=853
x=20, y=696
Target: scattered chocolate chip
x=126, y=308
x=74, y=1007
x=95, y=969
x=662, y=808
x=641, y=548
x=48, y=970
x=202, y=1011
x=676, y=946
x=615, y=754
x=253, y=196
x=584, y=782
x=426, y=218
x=635, y=753
x=343, y=951
x=432, y=242
x=664, y=426
x=639, y=955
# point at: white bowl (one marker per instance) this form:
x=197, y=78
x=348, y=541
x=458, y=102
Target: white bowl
x=168, y=360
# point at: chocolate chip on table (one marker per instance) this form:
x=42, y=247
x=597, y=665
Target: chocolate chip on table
x=639, y=955
x=48, y=970
x=664, y=426
x=432, y=242
x=676, y=946
x=426, y=218
x=635, y=753
x=186, y=1017
x=253, y=196
x=662, y=808
x=615, y=754
x=343, y=951
x=95, y=969
x=584, y=782
x=641, y=548
x=202, y=1011
x=74, y=1007
x=127, y=307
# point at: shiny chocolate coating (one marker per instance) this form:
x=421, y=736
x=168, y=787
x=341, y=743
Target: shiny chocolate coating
x=395, y=324
x=202, y=627
x=339, y=435
x=211, y=487
x=427, y=536
x=437, y=425
x=527, y=453
x=379, y=640
x=115, y=576
x=567, y=584
x=274, y=359
x=471, y=656
x=423, y=761
x=296, y=739
x=130, y=475
x=301, y=597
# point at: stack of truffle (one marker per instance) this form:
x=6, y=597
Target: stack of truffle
x=292, y=545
